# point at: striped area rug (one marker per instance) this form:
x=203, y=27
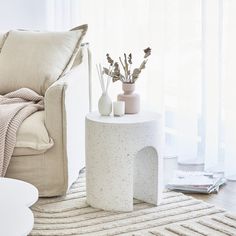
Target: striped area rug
x=177, y=215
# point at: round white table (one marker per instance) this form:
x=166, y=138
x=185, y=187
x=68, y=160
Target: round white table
x=16, y=219
x=123, y=160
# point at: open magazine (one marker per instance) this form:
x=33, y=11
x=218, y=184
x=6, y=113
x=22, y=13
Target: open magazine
x=196, y=182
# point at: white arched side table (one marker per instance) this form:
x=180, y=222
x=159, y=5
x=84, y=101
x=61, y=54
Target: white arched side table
x=123, y=160
x=16, y=197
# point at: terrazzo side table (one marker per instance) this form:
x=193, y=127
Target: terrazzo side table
x=123, y=160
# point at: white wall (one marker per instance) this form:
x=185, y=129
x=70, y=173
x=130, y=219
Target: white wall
x=27, y=14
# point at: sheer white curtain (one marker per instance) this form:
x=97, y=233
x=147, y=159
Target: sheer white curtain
x=190, y=77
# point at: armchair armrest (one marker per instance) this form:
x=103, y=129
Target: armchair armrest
x=67, y=102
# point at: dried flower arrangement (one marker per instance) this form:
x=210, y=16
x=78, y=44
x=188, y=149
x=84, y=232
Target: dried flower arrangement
x=128, y=76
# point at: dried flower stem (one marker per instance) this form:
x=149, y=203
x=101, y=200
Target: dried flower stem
x=109, y=76
x=126, y=66
x=122, y=63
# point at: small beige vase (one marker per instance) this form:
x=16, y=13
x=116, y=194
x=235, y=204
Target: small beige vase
x=132, y=100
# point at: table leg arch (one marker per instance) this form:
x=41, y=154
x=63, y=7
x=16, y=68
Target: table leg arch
x=146, y=177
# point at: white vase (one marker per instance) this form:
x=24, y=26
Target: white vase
x=105, y=105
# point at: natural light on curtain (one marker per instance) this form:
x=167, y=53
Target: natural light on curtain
x=190, y=77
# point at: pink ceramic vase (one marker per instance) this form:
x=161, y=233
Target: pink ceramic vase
x=132, y=100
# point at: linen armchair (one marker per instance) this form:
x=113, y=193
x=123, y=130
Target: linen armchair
x=66, y=103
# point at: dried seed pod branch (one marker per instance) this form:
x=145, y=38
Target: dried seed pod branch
x=110, y=61
x=126, y=63
x=122, y=63
x=137, y=71
x=130, y=59
x=130, y=65
x=147, y=52
x=127, y=77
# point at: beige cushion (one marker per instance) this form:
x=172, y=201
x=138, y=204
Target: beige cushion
x=77, y=61
x=3, y=36
x=32, y=136
x=37, y=59
x=1, y=40
x=79, y=58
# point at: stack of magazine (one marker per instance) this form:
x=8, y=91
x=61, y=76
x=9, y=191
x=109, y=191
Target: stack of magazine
x=196, y=182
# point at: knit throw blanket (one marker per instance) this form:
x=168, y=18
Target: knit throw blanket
x=14, y=108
